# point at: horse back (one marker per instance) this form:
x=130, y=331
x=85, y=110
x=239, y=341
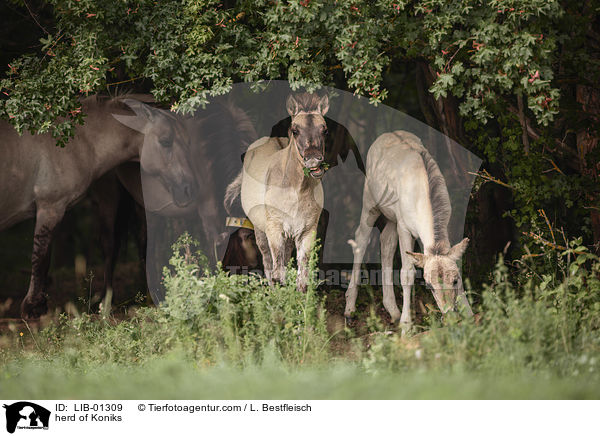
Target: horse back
x=397, y=180
x=34, y=171
x=258, y=159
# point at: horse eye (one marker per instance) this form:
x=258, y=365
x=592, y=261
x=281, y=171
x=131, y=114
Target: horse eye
x=166, y=143
x=455, y=282
x=295, y=132
x=325, y=131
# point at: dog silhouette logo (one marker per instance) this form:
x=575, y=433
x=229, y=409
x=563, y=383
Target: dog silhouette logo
x=26, y=415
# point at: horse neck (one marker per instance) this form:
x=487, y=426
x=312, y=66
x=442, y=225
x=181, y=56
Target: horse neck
x=434, y=240
x=115, y=145
x=294, y=170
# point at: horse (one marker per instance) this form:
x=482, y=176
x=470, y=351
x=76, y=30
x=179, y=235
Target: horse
x=45, y=180
x=280, y=188
x=404, y=184
x=218, y=136
x=242, y=253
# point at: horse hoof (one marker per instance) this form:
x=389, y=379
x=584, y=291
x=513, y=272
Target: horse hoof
x=349, y=321
x=34, y=307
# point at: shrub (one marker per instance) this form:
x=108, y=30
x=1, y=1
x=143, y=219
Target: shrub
x=550, y=323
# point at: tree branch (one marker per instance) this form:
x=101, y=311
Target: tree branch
x=523, y=122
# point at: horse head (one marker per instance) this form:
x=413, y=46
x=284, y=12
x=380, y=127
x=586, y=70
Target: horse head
x=165, y=152
x=308, y=130
x=441, y=272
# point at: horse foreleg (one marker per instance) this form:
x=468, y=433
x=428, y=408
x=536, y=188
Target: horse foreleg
x=106, y=196
x=407, y=277
x=277, y=246
x=389, y=242
x=304, y=246
x=35, y=303
x=368, y=216
x=359, y=245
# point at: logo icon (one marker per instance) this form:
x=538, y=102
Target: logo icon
x=26, y=415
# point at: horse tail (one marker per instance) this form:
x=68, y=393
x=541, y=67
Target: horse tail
x=233, y=192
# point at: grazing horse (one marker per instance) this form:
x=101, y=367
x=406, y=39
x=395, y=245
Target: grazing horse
x=281, y=189
x=242, y=252
x=404, y=184
x=45, y=180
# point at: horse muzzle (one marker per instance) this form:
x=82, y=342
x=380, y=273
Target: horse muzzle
x=182, y=194
x=315, y=167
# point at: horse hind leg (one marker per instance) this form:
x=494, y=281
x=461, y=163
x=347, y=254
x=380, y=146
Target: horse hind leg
x=263, y=246
x=35, y=302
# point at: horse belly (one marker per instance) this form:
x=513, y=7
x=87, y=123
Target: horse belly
x=17, y=174
x=256, y=164
x=253, y=201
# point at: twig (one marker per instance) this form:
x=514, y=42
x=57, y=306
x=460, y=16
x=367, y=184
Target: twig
x=543, y=214
x=33, y=337
x=554, y=165
x=35, y=19
x=534, y=134
x=487, y=176
x=549, y=244
x=124, y=81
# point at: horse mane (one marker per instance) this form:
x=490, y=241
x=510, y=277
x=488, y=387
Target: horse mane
x=226, y=132
x=440, y=204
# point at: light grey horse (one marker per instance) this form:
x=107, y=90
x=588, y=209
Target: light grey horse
x=404, y=184
x=281, y=189
x=41, y=180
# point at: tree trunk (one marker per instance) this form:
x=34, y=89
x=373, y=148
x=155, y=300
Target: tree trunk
x=587, y=141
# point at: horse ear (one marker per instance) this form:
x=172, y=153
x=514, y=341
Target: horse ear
x=141, y=109
x=458, y=250
x=144, y=115
x=418, y=258
x=324, y=104
x=292, y=105
x=133, y=122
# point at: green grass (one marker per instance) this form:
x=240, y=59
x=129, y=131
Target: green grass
x=172, y=377
x=226, y=337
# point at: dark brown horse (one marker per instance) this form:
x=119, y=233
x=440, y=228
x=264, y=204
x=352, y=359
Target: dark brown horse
x=41, y=180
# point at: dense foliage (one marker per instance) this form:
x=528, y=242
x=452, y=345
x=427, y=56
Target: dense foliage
x=515, y=81
x=191, y=49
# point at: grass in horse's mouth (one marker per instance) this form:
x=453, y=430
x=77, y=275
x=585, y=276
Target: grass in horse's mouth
x=318, y=169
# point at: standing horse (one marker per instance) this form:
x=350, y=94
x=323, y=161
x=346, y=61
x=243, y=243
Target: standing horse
x=218, y=135
x=41, y=180
x=404, y=184
x=281, y=189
